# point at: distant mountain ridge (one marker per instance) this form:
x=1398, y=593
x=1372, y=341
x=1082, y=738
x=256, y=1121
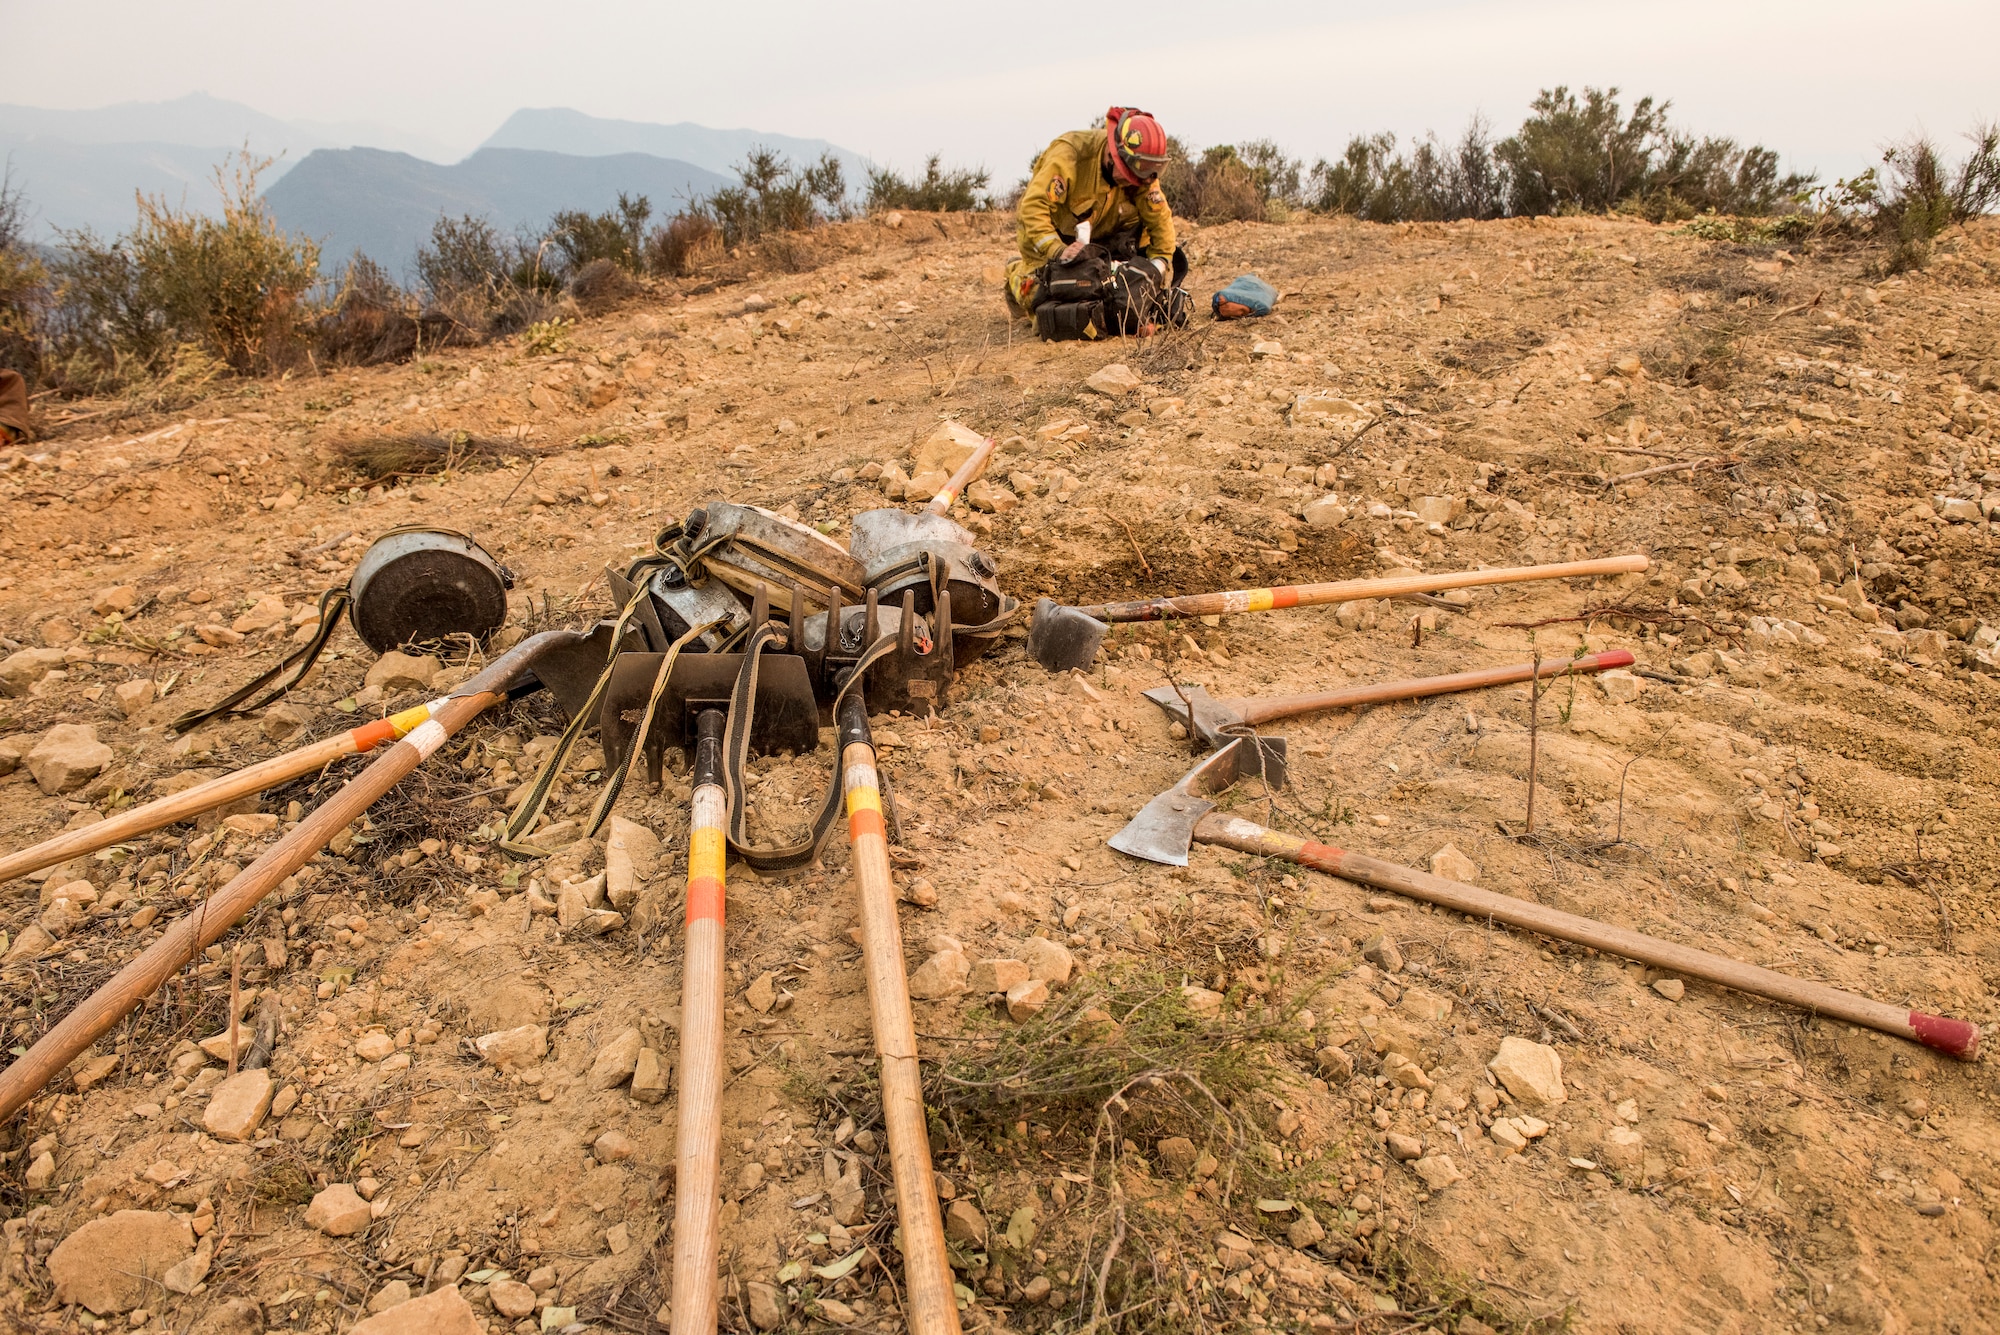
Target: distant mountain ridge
x=562, y=130
x=80, y=169
x=385, y=204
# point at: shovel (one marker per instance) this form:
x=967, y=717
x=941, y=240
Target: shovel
x=931, y=1307
x=1184, y=815
x=698, y=1150
x=1063, y=638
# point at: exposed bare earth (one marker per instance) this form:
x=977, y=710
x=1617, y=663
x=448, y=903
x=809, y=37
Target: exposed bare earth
x=1814, y=790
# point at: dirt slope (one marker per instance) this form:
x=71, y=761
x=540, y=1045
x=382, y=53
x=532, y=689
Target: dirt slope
x=1803, y=777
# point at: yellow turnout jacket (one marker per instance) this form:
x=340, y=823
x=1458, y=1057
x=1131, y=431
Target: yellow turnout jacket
x=1071, y=184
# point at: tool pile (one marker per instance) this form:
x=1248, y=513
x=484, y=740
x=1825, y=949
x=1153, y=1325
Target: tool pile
x=741, y=633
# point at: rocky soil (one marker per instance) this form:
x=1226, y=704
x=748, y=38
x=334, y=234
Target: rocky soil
x=467, y=1121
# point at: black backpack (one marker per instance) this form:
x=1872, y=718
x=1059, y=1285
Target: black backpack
x=1108, y=290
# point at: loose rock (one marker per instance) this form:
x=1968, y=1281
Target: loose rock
x=616, y=1060
x=403, y=672
x=1049, y=961
x=509, y=1048
x=1114, y=380
x=1026, y=1000
x=1453, y=865
x=238, y=1106
x=942, y=975
x=510, y=1297
x=68, y=756
x=1532, y=1072
x=440, y=1312
x=338, y=1211
x=649, y=1077
x=114, y=1264
x=997, y=976
x=766, y=1305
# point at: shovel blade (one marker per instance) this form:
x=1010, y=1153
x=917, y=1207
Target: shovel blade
x=1062, y=638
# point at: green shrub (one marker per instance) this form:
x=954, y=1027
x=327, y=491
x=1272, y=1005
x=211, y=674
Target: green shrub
x=1573, y=154
x=235, y=287
x=618, y=236
x=370, y=319
x=24, y=285
x=485, y=284
x=1923, y=196
x=774, y=196
x=1585, y=156
x=938, y=190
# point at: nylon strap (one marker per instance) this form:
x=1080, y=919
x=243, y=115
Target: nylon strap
x=538, y=794
x=615, y=781
x=736, y=757
x=331, y=604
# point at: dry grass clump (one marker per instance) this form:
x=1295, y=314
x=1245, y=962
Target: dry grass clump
x=383, y=458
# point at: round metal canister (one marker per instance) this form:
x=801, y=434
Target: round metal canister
x=416, y=585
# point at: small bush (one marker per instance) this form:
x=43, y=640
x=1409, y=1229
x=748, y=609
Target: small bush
x=1923, y=196
x=1224, y=185
x=620, y=236
x=234, y=287
x=957, y=190
x=24, y=284
x=370, y=319
x=599, y=285
x=687, y=241
x=774, y=196
x=485, y=284
x=1573, y=154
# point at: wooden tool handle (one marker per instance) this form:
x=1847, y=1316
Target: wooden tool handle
x=968, y=473
x=1265, y=709
x=202, y=797
x=95, y=1015
x=1315, y=595
x=1956, y=1038
x=195, y=932
x=698, y=1155
x=931, y=1306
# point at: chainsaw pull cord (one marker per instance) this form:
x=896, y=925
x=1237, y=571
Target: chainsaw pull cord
x=538, y=794
x=331, y=604
x=736, y=756
x=615, y=781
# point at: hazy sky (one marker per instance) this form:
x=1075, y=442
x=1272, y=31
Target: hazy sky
x=1826, y=83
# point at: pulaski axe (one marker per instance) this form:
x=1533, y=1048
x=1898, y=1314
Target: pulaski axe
x=1217, y=720
x=1185, y=815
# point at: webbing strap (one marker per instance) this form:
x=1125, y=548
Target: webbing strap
x=331, y=604
x=615, y=781
x=585, y=717
x=736, y=757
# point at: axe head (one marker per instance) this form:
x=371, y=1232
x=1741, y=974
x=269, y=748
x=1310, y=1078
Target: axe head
x=1217, y=723
x=1061, y=638
x=1163, y=831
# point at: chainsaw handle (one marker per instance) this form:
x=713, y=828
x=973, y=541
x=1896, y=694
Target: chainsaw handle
x=968, y=473
x=1267, y=709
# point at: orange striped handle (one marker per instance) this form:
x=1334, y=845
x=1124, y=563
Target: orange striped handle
x=1957, y=1038
x=708, y=847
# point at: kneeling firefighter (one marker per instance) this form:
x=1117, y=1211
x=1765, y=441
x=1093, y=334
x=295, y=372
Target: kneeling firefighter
x=1098, y=254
